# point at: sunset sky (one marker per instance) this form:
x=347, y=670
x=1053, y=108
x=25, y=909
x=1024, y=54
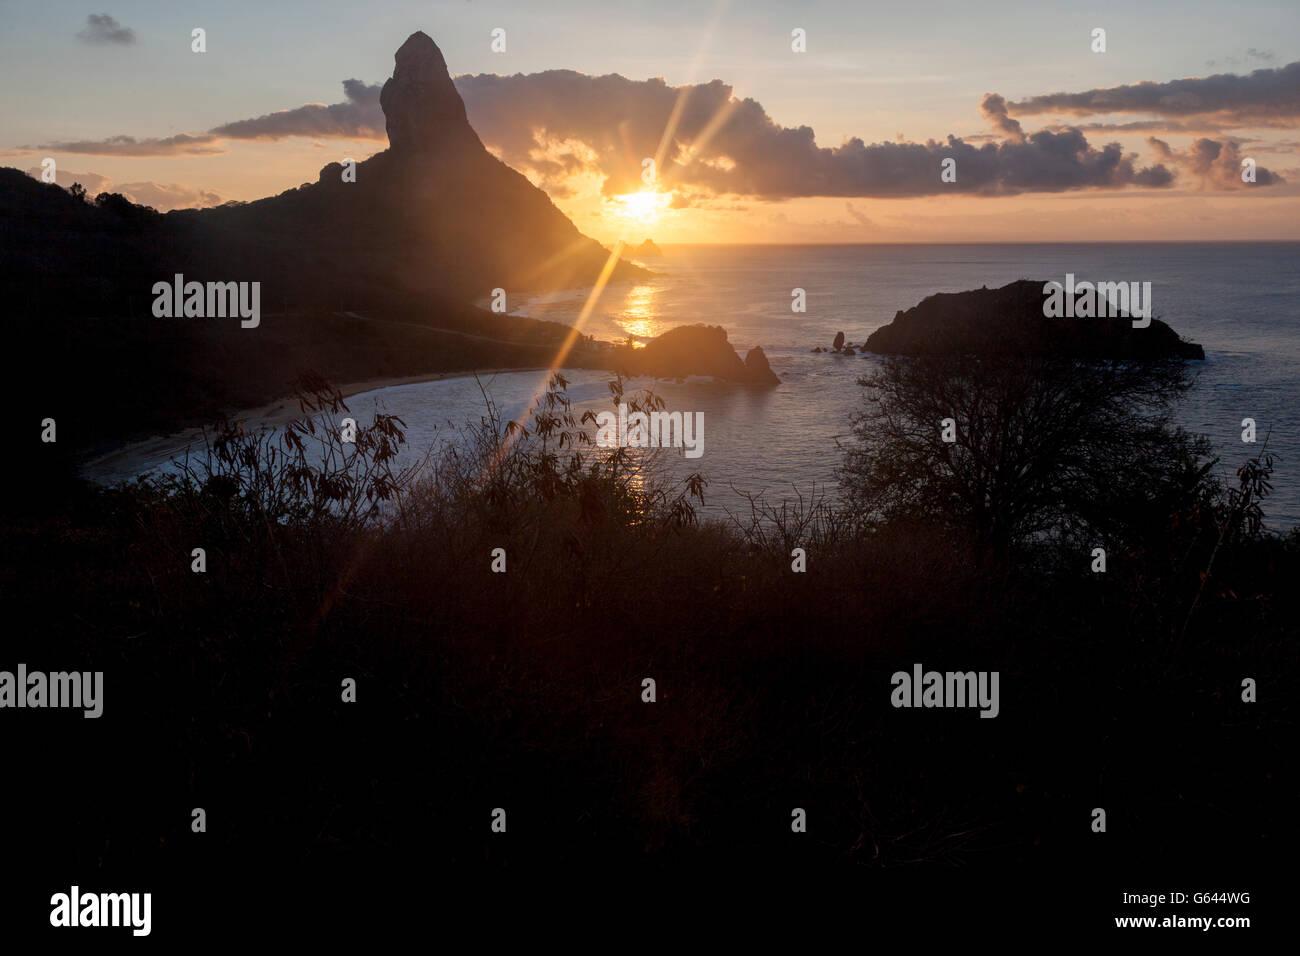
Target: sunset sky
x=841, y=143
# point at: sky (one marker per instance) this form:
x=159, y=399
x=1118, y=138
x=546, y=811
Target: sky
x=843, y=141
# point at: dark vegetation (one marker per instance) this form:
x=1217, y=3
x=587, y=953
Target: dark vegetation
x=522, y=690
x=1042, y=445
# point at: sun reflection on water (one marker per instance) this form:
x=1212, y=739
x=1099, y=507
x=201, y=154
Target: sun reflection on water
x=639, y=316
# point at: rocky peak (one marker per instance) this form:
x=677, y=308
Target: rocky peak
x=757, y=369
x=422, y=110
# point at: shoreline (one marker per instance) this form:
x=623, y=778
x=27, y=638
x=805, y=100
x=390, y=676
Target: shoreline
x=280, y=412
x=286, y=409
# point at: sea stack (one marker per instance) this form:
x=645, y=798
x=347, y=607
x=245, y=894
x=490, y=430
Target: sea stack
x=422, y=110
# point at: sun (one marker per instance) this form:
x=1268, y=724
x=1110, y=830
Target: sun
x=643, y=207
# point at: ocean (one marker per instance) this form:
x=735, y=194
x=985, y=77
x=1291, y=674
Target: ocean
x=1241, y=301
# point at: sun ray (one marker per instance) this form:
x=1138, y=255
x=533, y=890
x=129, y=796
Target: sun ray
x=646, y=204
x=684, y=91
x=701, y=142
x=512, y=435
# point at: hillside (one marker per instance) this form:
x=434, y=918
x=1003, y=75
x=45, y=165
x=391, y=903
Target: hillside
x=1010, y=320
x=358, y=279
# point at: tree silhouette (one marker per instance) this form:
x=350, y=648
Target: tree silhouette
x=1042, y=445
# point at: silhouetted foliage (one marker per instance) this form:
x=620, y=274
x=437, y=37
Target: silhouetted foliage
x=773, y=684
x=1043, y=445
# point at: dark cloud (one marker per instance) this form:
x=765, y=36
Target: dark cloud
x=555, y=121
x=181, y=144
x=994, y=109
x=1216, y=165
x=1142, y=126
x=101, y=28
x=357, y=117
x=560, y=123
x=861, y=219
x=1267, y=95
x=528, y=119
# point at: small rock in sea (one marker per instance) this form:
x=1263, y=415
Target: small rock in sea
x=757, y=368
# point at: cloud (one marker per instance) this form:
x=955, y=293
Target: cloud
x=1146, y=126
x=357, y=117
x=1263, y=95
x=182, y=144
x=722, y=144
x=165, y=196
x=994, y=109
x=1216, y=165
x=560, y=124
x=1275, y=145
x=861, y=219
x=93, y=182
x=1263, y=56
x=101, y=28
x=161, y=196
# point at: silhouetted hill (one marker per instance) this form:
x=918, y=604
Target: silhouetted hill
x=1010, y=320
x=358, y=279
x=435, y=214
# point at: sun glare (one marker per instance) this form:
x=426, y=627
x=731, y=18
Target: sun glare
x=643, y=207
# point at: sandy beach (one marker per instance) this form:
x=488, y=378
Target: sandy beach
x=279, y=412
x=286, y=409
